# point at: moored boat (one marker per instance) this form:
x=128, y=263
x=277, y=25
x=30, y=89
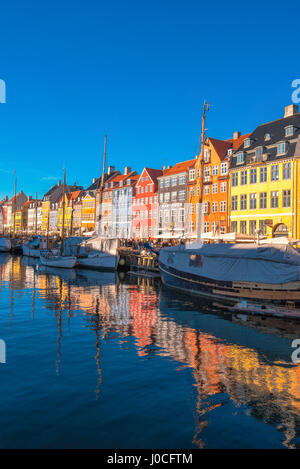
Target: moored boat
x=49, y=259
x=233, y=272
x=5, y=245
x=99, y=253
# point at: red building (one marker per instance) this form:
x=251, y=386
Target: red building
x=145, y=205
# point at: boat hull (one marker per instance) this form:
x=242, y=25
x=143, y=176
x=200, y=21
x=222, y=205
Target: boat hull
x=101, y=262
x=59, y=262
x=30, y=252
x=5, y=245
x=228, y=291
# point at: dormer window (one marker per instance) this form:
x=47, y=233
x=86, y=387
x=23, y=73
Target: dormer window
x=121, y=183
x=240, y=157
x=111, y=184
x=258, y=153
x=128, y=182
x=247, y=142
x=267, y=137
x=106, y=186
x=281, y=148
x=229, y=152
x=289, y=131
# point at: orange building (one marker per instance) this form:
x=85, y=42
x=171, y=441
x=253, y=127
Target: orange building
x=214, y=160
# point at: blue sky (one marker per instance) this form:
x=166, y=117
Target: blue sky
x=138, y=71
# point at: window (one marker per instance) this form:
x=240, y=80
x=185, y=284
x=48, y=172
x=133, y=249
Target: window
x=167, y=182
x=214, y=226
x=174, y=181
x=234, y=179
x=243, y=178
x=233, y=227
x=274, y=199
x=240, y=157
x=253, y=175
x=198, y=173
x=161, y=197
x=224, y=168
x=286, y=173
x=252, y=226
x=263, y=227
x=215, y=206
x=247, y=142
x=263, y=174
x=263, y=200
x=206, y=155
x=182, y=179
x=207, y=173
x=253, y=201
x=215, y=170
x=274, y=172
x=243, y=202
x=206, y=190
x=142, y=190
x=167, y=196
x=267, y=137
x=215, y=188
x=234, y=202
x=198, y=190
x=258, y=154
x=192, y=174
x=191, y=227
x=206, y=227
x=223, y=186
x=174, y=195
x=161, y=183
x=286, y=198
x=281, y=148
x=243, y=226
x=192, y=191
x=181, y=195
x=223, y=206
x=289, y=131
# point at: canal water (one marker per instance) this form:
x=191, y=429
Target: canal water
x=98, y=360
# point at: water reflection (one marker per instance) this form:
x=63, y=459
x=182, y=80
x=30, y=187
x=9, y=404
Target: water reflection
x=237, y=359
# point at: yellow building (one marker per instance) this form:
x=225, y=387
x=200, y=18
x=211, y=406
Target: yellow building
x=264, y=178
x=88, y=212
x=70, y=199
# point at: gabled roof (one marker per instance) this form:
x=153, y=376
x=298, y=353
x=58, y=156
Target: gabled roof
x=179, y=167
x=237, y=142
x=220, y=146
x=153, y=174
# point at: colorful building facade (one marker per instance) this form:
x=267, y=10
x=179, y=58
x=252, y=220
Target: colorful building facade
x=145, y=205
x=264, y=179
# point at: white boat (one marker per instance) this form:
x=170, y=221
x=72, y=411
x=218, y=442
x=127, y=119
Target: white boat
x=5, y=245
x=268, y=273
x=30, y=251
x=99, y=253
x=99, y=260
x=49, y=259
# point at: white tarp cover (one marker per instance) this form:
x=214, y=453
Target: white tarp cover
x=236, y=262
x=108, y=245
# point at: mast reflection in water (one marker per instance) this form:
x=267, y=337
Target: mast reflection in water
x=94, y=361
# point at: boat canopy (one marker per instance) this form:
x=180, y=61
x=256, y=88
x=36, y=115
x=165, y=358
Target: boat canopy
x=235, y=262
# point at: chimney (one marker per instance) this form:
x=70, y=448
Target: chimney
x=94, y=180
x=163, y=167
x=59, y=182
x=110, y=170
x=169, y=167
x=127, y=170
x=29, y=197
x=290, y=110
x=236, y=135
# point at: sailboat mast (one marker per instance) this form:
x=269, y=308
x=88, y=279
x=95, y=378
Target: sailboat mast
x=15, y=206
x=63, y=216
x=201, y=157
x=102, y=183
x=35, y=229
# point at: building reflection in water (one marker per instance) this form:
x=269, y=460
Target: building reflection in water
x=221, y=369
